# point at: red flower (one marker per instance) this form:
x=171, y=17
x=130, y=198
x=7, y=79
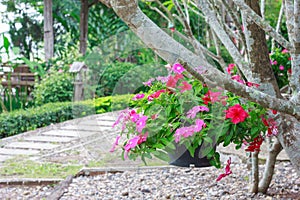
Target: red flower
x=230, y=68
x=236, y=113
x=155, y=95
x=255, y=145
x=227, y=170
x=211, y=97
x=185, y=86
x=172, y=81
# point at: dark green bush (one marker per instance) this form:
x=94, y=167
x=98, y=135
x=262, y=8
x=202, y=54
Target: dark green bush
x=24, y=120
x=54, y=87
x=127, y=78
x=111, y=74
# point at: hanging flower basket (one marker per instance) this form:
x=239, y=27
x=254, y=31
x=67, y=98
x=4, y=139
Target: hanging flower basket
x=181, y=157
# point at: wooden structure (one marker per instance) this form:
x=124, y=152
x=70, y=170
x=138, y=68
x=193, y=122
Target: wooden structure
x=15, y=78
x=80, y=69
x=18, y=81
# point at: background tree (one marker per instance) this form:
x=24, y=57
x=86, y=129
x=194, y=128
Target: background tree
x=48, y=30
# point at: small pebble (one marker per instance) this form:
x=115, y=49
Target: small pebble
x=168, y=183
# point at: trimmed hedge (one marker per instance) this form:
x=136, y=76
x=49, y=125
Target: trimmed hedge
x=24, y=120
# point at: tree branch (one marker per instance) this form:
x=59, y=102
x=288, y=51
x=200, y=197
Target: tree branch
x=270, y=166
x=216, y=26
x=278, y=24
x=263, y=24
x=188, y=30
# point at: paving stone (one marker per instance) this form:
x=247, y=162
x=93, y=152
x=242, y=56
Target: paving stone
x=31, y=145
x=4, y=158
x=107, y=118
x=64, y=133
x=97, y=123
x=18, y=151
x=49, y=139
x=86, y=128
x=67, y=133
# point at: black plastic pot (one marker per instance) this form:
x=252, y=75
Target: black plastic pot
x=181, y=157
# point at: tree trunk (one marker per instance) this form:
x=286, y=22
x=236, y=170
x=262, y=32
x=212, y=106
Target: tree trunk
x=261, y=68
x=48, y=30
x=84, y=12
x=254, y=172
x=269, y=168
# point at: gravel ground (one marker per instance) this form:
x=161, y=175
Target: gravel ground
x=166, y=183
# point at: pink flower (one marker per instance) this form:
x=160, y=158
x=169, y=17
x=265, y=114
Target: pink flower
x=177, y=68
x=132, y=143
x=238, y=79
x=273, y=62
x=290, y=58
x=186, y=86
x=199, y=125
x=138, y=96
x=229, y=68
x=183, y=132
x=236, y=113
x=162, y=79
x=192, y=112
x=189, y=131
x=281, y=67
x=227, y=170
x=60, y=71
x=149, y=82
x=141, y=123
x=284, y=51
x=250, y=84
x=115, y=144
x=134, y=117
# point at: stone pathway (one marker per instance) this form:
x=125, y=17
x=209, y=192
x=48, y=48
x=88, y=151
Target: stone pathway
x=38, y=143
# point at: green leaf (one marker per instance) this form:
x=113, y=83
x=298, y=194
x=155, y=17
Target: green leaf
x=254, y=130
x=6, y=43
x=161, y=155
x=228, y=138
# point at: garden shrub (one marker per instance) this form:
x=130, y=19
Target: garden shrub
x=54, y=87
x=127, y=78
x=24, y=120
x=110, y=76
x=281, y=65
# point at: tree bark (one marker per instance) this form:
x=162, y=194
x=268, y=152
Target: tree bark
x=84, y=12
x=262, y=72
x=269, y=167
x=48, y=30
x=254, y=172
